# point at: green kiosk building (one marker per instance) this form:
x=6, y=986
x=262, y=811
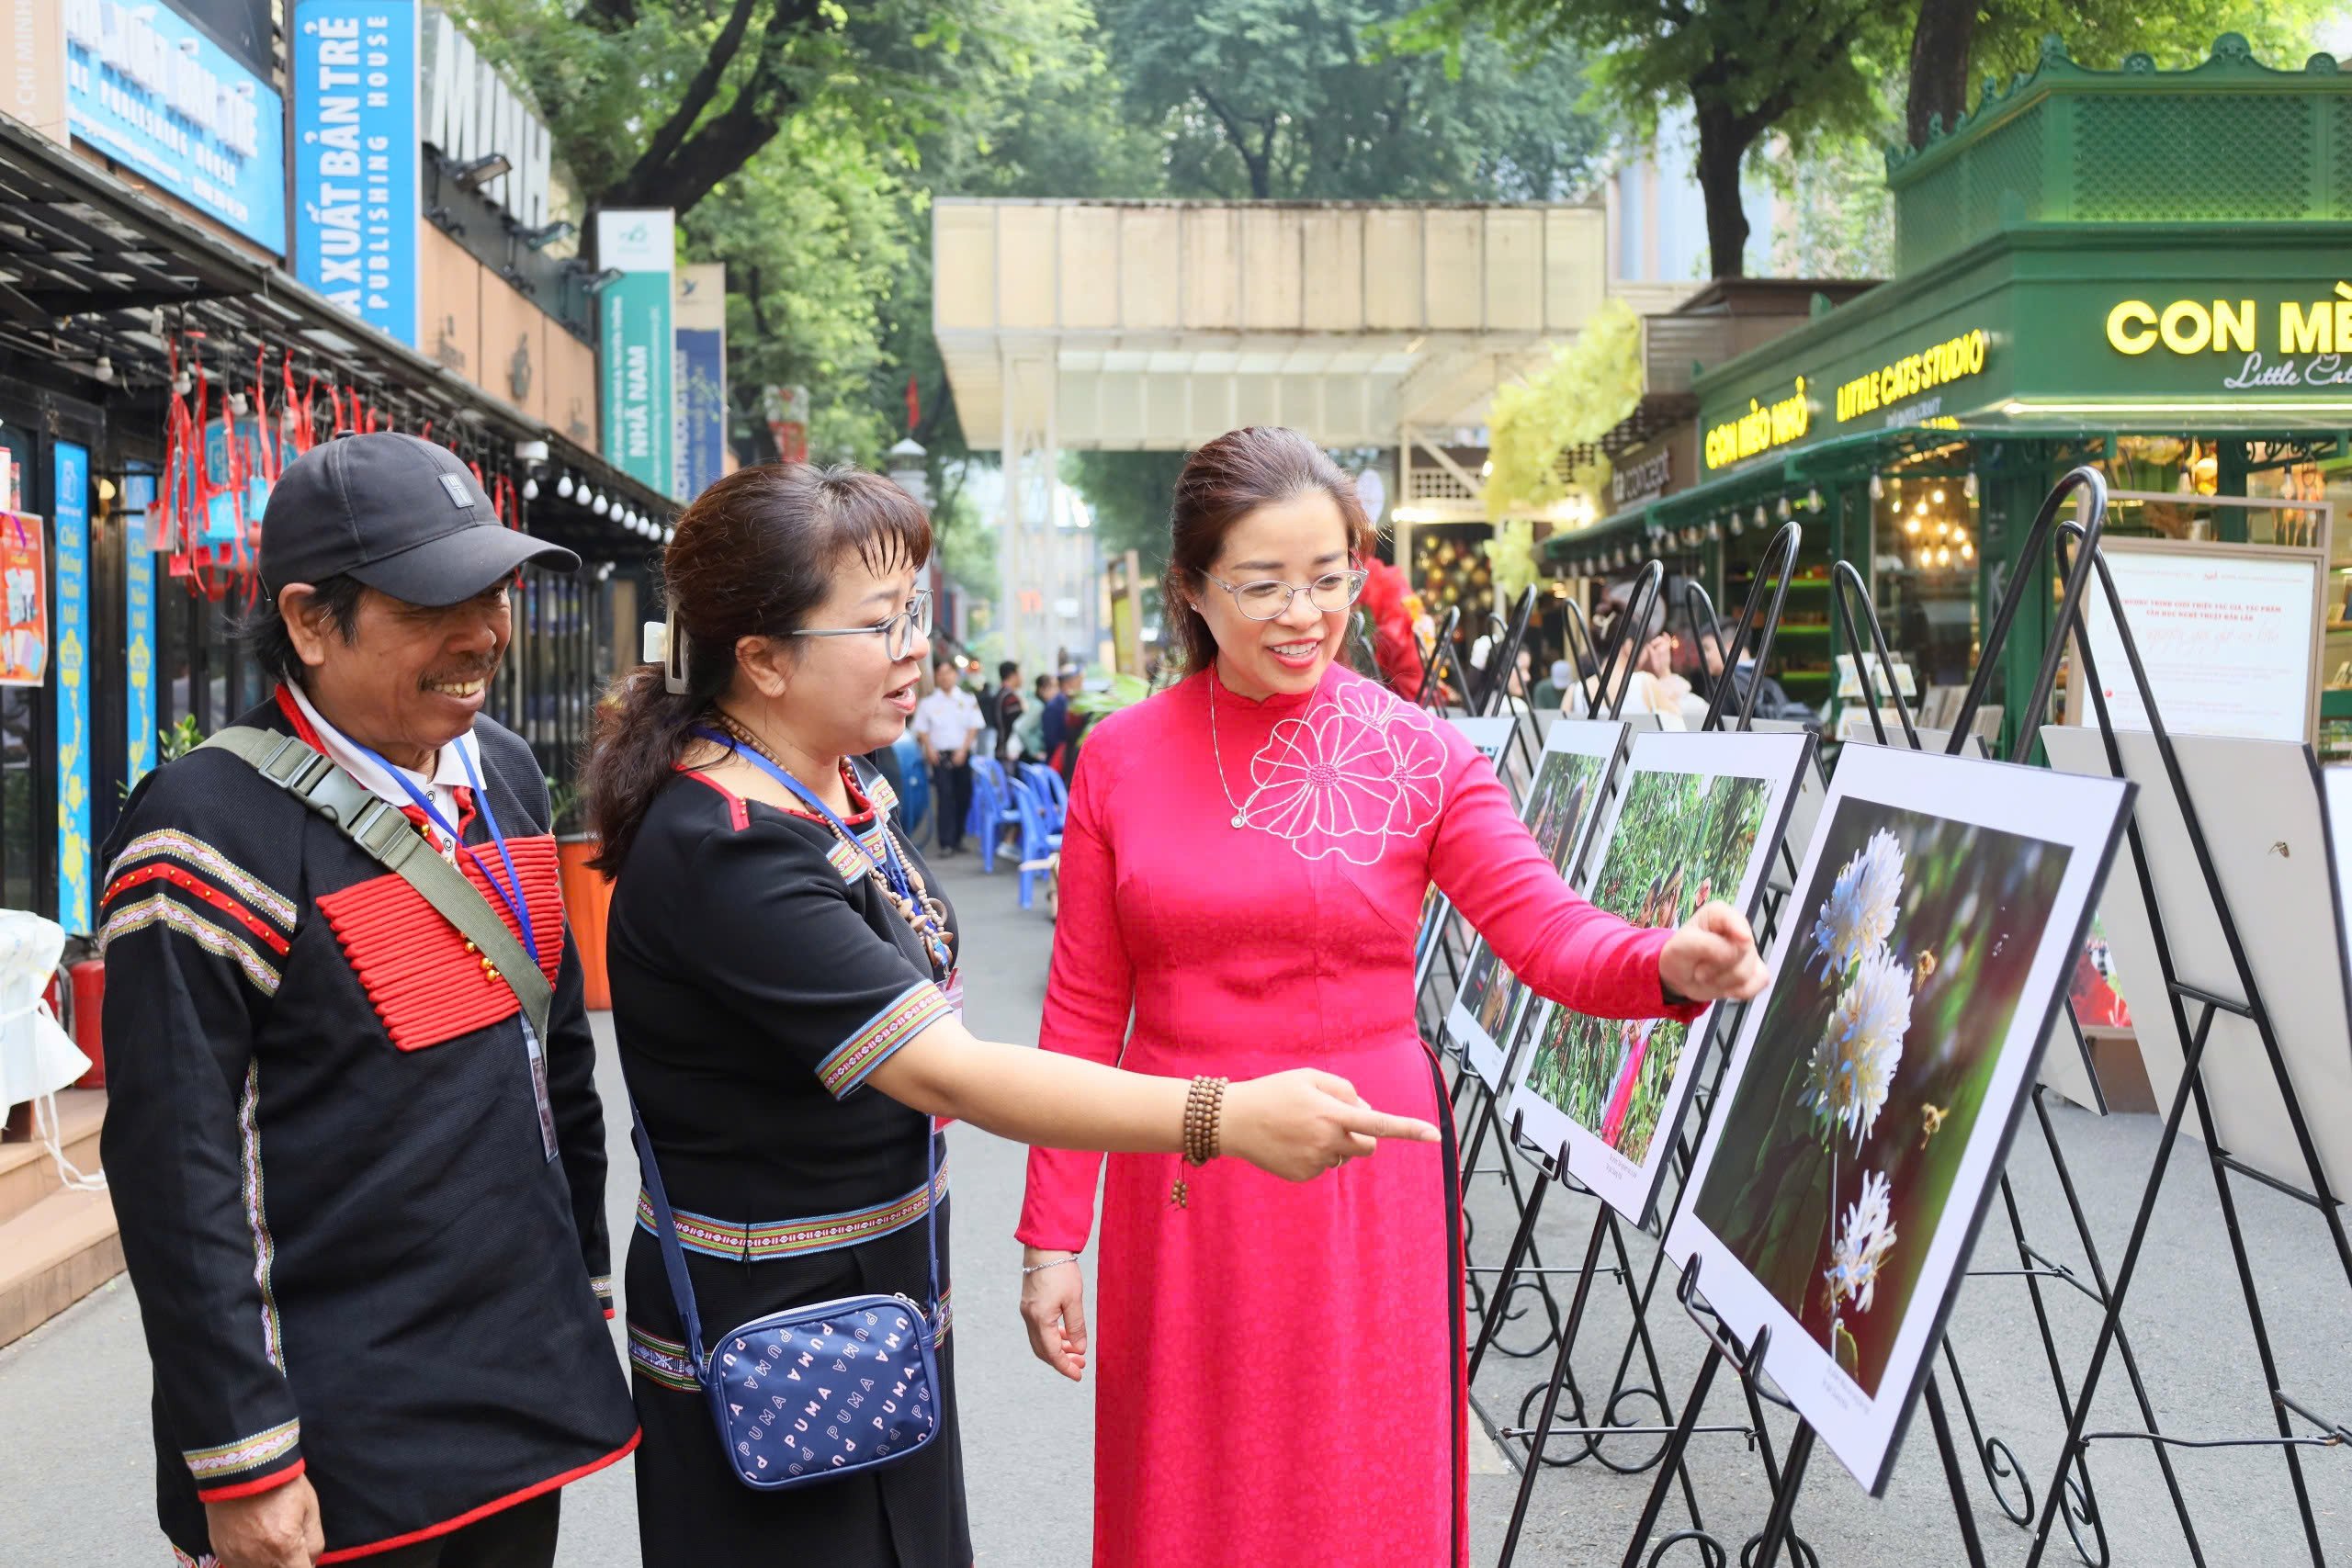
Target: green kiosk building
x=2145, y=270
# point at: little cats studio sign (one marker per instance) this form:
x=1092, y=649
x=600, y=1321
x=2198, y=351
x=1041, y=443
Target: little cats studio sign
x=2244, y=342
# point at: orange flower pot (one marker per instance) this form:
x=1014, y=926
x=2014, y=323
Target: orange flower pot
x=587, y=899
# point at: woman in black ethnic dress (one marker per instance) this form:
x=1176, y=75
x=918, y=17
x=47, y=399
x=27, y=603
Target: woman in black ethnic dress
x=789, y=1022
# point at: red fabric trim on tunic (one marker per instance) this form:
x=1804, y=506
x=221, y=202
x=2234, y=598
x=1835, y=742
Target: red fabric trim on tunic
x=738, y=814
x=495, y=1505
x=413, y=964
x=270, y=1482
x=204, y=893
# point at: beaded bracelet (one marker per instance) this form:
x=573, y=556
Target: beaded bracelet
x=1204, y=1117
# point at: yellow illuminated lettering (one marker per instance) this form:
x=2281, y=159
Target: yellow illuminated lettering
x=2130, y=327
x=2185, y=326
x=2233, y=330
x=2301, y=333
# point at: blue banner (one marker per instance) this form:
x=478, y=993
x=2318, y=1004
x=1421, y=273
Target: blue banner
x=137, y=625
x=356, y=158
x=70, y=467
x=702, y=411
x=144, y=85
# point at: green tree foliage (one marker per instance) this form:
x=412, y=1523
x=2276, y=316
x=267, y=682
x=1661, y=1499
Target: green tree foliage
x=1129, y=492
x=1748, y=69
x=1299, y=99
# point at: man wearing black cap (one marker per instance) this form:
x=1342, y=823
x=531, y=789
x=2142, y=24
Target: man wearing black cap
x=361, y=1203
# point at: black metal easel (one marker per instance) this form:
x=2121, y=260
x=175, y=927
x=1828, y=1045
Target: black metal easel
x=2286, y=1409
x=1748, y=1361
x=1777, y=566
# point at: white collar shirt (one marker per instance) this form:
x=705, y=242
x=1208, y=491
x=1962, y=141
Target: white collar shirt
x=448, y=775
x=948, y=719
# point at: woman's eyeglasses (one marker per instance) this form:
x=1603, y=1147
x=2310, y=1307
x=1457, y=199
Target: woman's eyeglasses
x=1270, y=599
x=899, y=634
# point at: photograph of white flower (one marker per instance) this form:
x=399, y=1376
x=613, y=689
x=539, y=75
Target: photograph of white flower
x=1571, y=779
x=1870, y=1100
x=1699, y=818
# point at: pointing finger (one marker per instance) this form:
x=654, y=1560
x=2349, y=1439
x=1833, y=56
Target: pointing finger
x=1380, y=1125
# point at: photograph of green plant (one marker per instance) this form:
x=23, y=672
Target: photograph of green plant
x=1680, y=840
x=1839, y=1144
x=1556, y=809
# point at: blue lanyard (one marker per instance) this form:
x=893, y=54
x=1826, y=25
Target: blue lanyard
x=900, y=880
x=509, y=892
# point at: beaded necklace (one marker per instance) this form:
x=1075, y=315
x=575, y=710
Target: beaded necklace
x=923, y=913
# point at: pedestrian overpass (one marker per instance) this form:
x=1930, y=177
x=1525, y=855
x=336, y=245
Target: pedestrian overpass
x=1157, y=325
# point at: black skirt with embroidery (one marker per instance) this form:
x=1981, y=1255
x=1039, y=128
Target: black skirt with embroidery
x=758, y=978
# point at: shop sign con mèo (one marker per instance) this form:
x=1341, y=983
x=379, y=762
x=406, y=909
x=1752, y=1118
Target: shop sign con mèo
x=1760, y=429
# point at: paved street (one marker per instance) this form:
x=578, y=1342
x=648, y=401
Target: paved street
x=75, y=1486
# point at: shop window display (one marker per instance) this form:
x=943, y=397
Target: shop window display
x=1924, y=528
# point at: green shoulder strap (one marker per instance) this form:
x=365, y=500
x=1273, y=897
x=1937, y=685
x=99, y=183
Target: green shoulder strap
x=377, y=827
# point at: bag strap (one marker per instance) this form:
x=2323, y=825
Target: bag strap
x=673, y=1254
x=383, y=831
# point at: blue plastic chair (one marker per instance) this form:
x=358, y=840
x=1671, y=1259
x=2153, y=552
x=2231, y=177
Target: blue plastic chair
x=1038, y=841
x=993, y=814
x=1052, y=794
x=914, y=804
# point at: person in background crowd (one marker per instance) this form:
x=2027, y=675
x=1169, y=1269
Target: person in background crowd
x=1652, y=686
x=1241, y=874
x=1772, y=700
x=946, y=723
x=1063, y=725
x=785, y=1004
x=1002, y=710
x=362, y=1207
x=1031, y=730
x=1552, y=691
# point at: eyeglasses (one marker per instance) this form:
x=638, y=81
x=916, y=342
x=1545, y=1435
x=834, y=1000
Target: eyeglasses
x=1269, y=599
x=899, y=634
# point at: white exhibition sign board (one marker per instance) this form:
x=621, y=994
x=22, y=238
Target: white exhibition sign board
x=2259, y=805
x=2228, y=636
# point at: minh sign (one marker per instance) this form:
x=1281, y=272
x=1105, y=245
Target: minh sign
x=2307, y=342
x=470, y=111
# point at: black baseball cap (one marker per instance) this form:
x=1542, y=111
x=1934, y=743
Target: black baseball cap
x=404, y=516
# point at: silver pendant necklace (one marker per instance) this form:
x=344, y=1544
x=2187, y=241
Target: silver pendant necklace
x=1240, y=810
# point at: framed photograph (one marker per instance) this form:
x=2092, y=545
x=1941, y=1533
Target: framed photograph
x=1561, y=807
x=2259, y=805
x=1699, y=816
x=1870, y=1097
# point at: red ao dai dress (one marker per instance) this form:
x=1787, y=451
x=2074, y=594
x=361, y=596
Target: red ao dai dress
x=1281, y=1366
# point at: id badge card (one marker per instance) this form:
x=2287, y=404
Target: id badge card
x=542, y=1102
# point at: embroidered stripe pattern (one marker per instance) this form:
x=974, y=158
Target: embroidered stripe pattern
x=203, y=893
x=182, y=1560
x=161, y=908
x=663, y=1360
x=211, y=1464
x=881, y=796
x=256, y=1218
x=914, y=1009
x=848, y=860
x=793, y=1238
x=170, y=843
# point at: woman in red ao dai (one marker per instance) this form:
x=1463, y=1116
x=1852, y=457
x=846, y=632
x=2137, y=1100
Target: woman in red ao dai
x=1282, y=1366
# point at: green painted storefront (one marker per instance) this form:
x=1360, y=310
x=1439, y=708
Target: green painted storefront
x=2147, y=270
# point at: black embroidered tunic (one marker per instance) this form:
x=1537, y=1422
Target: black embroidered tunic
x=758, y=978
x=353, y=1258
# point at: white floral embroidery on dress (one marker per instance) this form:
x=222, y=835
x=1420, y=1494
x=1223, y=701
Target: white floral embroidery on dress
x=1347, y=776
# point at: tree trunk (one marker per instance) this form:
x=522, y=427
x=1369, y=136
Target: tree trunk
x=1723, y=148
x=1941, y=44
